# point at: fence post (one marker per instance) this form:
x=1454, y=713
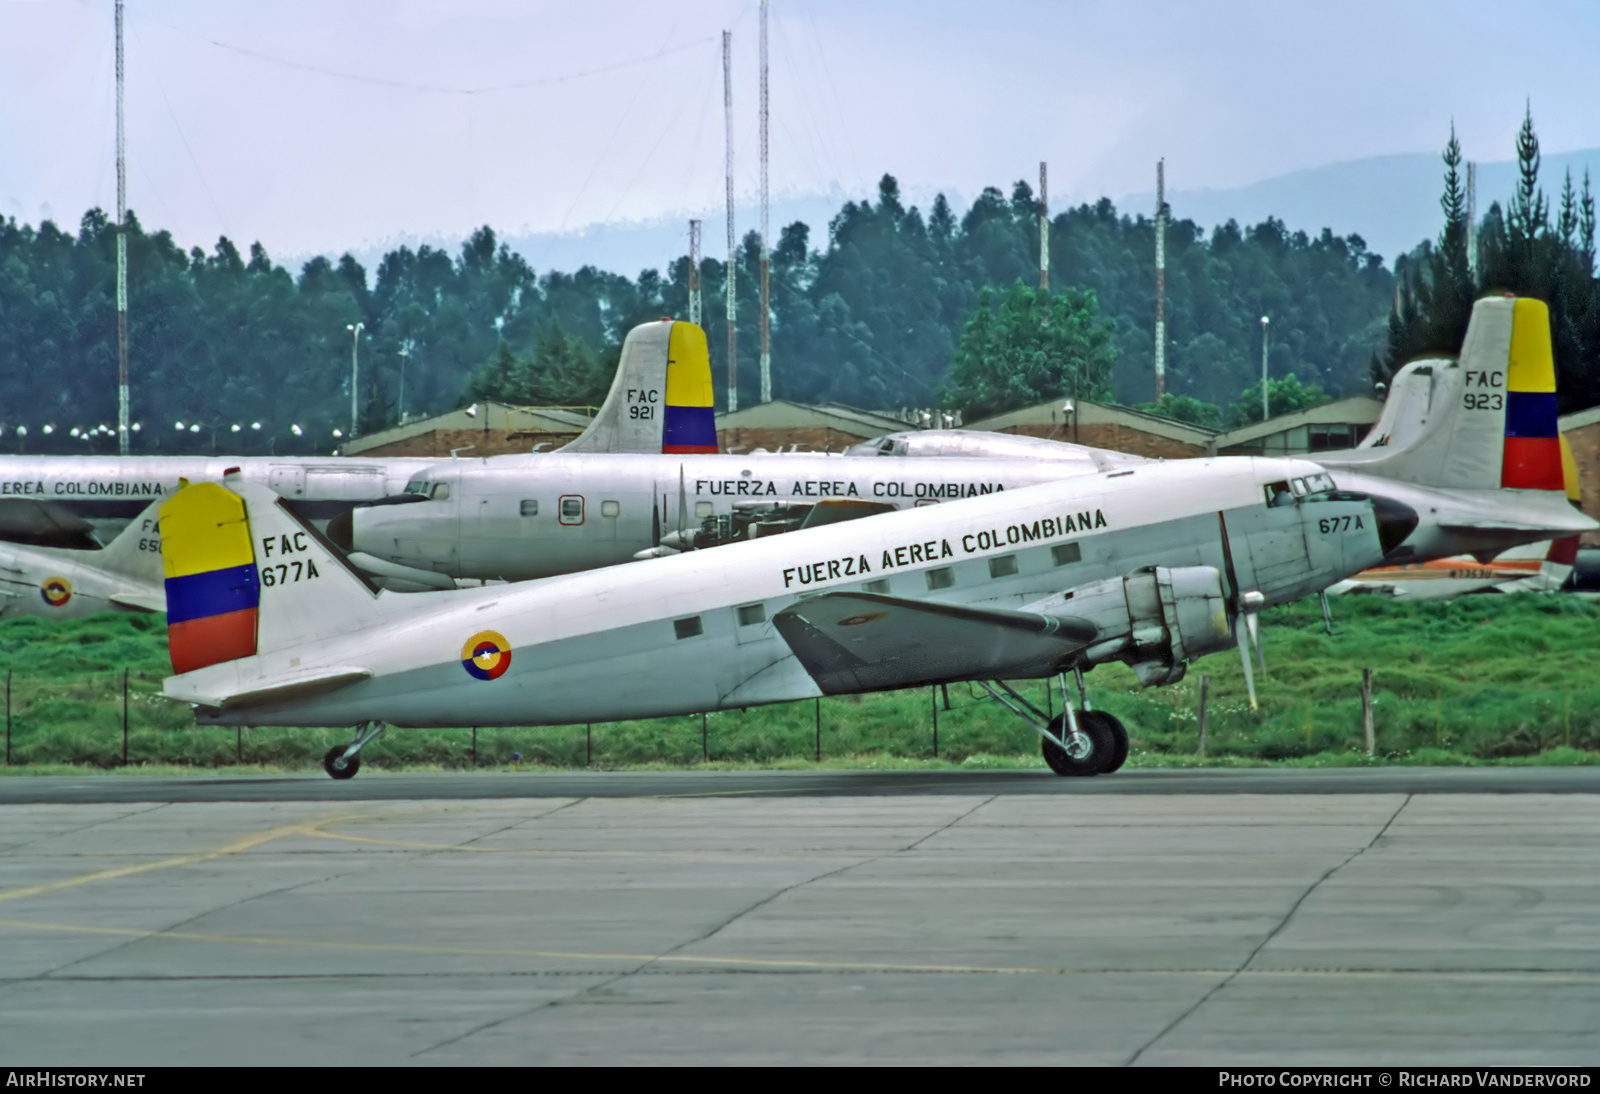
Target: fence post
x=474, y=746
x=933, y=701
x=819, y=729
x=1205, y=694
x=1366, y=713
x=124, y=717
x=588, y=743
x=8, y=717
x=944, y=690
x=238, y=744
x=705, y=751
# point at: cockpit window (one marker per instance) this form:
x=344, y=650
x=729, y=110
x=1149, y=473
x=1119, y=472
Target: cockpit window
x=1299, y=487
x=441, y=491
x=1278, y=493
x=417, y=486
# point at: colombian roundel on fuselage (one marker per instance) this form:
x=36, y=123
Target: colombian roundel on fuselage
x=689, y=422
x=486, y=655
x=56, y=592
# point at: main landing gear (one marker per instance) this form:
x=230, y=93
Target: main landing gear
x=343, y=761
x=1074, y=742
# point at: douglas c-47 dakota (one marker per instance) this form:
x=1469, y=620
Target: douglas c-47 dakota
x=1152, y=566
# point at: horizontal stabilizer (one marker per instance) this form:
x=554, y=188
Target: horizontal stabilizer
x=852, y=642
x=144, y=602
x=276, y=690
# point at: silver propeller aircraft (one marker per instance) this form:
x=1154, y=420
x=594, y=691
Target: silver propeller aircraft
x=1468, y=445
x=1152, y=566
x=654, y=405
x=68, y=583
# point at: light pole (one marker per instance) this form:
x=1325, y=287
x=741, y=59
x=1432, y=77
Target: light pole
x=1265, y=326
x=355, y=330
x=400, y=405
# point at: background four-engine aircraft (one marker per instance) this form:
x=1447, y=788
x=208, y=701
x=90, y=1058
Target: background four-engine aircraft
x=1459, y=437
x=1151, y=566
x=655, y=405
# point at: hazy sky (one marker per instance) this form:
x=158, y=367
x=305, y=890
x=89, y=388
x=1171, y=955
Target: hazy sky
x=315, y=126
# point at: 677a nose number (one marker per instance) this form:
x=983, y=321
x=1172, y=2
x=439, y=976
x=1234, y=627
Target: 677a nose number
x=1329, y=525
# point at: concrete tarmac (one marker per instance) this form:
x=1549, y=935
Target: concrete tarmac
x=379, y=786
x=966, y=926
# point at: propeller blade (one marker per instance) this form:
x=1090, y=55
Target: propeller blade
x=655, y=520
x=1252, y=625
x=683, y=503
x=1241, y=637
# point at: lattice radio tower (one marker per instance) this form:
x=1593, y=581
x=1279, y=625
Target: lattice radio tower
x=766, y=254
x=122, y=257
x=732, y=294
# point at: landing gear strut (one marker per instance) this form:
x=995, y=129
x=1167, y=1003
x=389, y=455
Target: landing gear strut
x=343, y=761
x=1074, y=742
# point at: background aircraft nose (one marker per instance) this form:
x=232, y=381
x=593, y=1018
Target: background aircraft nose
x=1396, y=521
x=341, y=530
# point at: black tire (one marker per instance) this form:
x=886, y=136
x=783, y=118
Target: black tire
x=1119, y=739
x=348, y=771
x=1101, y=747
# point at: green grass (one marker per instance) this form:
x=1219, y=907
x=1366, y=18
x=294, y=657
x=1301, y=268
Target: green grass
x=1479, y=680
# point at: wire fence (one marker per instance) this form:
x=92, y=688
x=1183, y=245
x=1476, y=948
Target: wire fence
x=118, y=719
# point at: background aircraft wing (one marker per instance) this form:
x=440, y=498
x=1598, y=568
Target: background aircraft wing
x=852, y=642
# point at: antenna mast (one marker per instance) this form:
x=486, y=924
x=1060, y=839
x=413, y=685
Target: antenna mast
x=694, y=272
x=732, y=295
x=122, y=258
x=766, y=251
x=1044, y=227
x=1161, y=278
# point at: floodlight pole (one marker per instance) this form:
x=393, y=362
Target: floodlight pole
x=1266, y=324
x=355, y=330
x=122, y=257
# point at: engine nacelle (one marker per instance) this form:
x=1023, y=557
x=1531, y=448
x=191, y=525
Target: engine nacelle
x=1156, y=619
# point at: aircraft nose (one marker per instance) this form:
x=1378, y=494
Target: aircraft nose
x=1396, y=521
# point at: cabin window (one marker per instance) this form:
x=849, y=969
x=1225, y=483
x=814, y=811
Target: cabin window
x=687, y=628
x=572, y=509
x=751, y=614
x=529, y=507
x=441, y=491
x=942, y=578
x=703, y=509
x=1003, y=566
x=1063, y=553
x=880, y=586
x=610, y=508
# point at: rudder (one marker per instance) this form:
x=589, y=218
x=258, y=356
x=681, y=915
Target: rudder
x=660, y=399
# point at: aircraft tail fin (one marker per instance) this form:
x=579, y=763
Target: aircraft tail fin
x=230, y=551
x=1491, y=414
x=661, y=398
x=136, y=550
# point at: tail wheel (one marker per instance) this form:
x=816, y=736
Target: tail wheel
x=1119, y=738
x=1088, y=754
x=338, y=770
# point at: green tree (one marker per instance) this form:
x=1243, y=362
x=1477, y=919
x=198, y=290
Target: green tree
x=1285, y=396
x=1029, y=346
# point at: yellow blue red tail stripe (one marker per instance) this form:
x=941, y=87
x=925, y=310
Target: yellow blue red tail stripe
x=213, y=587
x=689, y=422
x=1532, y=456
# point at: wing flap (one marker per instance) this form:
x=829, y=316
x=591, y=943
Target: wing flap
x=852, y=642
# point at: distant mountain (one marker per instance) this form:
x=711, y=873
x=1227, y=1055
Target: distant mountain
x=1392, y=202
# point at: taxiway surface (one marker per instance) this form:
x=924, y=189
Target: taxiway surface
x=978, y=924
x=378, y=786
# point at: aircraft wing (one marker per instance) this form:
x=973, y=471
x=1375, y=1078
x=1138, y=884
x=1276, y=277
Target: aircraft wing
x=851, y=642
x=274, y=689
